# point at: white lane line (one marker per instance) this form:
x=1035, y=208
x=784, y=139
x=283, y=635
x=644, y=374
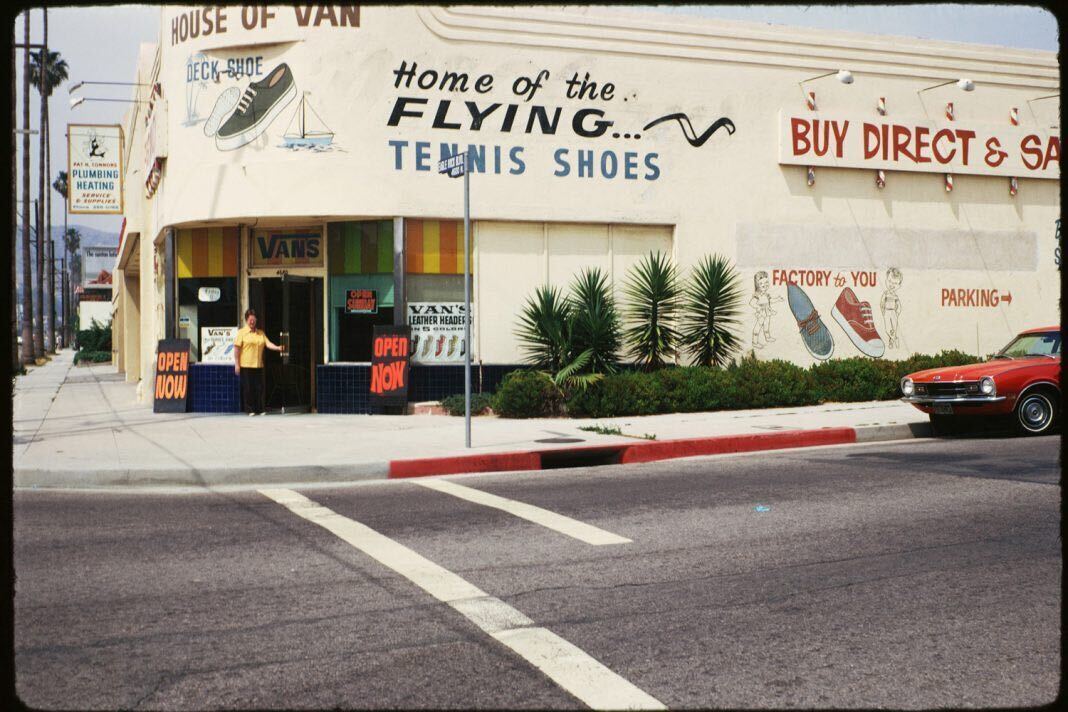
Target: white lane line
x=564, y=664
x=557, y=522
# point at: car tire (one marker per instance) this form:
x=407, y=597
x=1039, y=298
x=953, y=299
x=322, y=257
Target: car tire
x=1036, y=412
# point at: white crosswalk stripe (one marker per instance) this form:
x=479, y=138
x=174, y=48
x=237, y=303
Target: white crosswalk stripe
x=565, y=664
x=551, y=520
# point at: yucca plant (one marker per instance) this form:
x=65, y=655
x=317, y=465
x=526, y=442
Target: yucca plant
x=594, y=322
x=711, y=305
x=544, y=329
x=652, y=293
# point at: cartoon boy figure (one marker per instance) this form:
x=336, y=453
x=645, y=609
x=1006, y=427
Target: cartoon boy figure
x=890, y=305
x=761, y=303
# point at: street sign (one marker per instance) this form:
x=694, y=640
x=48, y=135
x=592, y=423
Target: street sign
x=453, y=165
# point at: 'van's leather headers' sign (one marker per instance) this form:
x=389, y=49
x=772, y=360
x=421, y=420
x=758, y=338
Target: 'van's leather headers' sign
x=390, y=354
x=172, y=376
x=286, y=248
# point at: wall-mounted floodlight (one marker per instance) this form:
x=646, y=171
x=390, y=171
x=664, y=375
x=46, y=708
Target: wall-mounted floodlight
x=962, y=84
x=78, y=100
x=75, y=87
x=842, y=75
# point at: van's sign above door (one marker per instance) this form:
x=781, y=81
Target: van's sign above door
x=923, y=145
x=273, y=248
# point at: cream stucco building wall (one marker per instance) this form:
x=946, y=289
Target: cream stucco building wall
x=591, y=127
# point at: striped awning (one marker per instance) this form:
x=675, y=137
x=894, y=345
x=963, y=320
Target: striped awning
x=434, y=246
x=207, y=252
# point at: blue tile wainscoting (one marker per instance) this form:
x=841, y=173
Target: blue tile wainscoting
x=341, y=387
x=214, y=388
x=345, y=388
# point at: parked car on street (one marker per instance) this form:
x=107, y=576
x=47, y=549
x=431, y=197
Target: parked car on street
x=1022, y=381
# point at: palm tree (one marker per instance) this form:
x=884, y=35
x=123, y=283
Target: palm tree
x=710, y=313
x=47, y=71
x=72, y=241
x=62, y=186
x=652, y=293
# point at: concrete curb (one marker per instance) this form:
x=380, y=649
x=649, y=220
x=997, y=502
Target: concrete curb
x=197, y=477
x=626, y=453
x=526, y=460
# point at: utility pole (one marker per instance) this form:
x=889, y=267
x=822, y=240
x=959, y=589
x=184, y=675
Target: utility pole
x=27, y=280
x=44, y=318
x=46, y=185
x=14, y=213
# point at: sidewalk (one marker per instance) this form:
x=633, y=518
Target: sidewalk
x=81, y=426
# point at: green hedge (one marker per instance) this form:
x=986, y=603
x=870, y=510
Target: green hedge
x=527, y=394
x=92, y=356
x=752, y=384
x=480, y=403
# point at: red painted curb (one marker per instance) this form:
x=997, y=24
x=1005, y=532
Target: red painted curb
x=690, y=447
x=626, y=453
x=491, y=462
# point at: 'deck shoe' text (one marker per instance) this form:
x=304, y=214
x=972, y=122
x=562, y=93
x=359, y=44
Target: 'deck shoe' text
x=258, y=107
x=854, y=316
x=814, y=333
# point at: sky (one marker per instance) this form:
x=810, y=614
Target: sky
x=101, y=44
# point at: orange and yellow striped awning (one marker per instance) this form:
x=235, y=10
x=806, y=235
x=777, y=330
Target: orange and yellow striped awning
x=434, y=246
x=207, y=252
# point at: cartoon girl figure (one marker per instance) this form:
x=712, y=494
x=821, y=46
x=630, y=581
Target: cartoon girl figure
x=890, y=305
x=761, y=303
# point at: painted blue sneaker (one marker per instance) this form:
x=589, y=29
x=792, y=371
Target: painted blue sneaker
x=814, y=333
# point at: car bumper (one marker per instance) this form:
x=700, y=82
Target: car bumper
x=953, y=400
x=963, y=405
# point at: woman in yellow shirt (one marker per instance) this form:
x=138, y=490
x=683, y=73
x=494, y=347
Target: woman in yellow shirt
x=248, y=363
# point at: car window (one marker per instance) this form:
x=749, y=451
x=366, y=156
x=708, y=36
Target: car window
x=1047, y=344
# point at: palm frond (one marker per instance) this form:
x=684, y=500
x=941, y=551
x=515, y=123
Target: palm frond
x=543, y=329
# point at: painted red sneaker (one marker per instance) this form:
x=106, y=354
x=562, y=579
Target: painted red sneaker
x=854, y=316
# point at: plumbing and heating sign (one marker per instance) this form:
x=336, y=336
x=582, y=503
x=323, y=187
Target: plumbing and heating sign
x=94, y=167
x=816, y=139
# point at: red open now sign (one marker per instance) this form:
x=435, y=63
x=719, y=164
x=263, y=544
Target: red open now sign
x=172, y=376
x=361, y=301
x=391, y=350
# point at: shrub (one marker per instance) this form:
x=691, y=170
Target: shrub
x=96, y=338
x=768, y=384
x=544, y=330
x=855, y=379
x=595, y=325
x=480, y=403
x=652, y=294
x=527, y=394
x=92, y=356
x=621, y=394
x=712, y=303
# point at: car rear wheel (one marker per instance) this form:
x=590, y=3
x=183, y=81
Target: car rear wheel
x=1036, y=413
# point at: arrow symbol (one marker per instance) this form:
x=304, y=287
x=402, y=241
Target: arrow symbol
x=1007, y=297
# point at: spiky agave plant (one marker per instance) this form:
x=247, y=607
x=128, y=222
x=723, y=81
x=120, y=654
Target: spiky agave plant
x=711, y=305
x=594, y=322
x=544, y=329
x=652, y=293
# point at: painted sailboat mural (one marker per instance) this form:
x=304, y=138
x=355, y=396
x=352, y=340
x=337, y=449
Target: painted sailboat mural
x=307, y=129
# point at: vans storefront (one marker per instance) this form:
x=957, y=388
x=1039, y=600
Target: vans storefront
x=284, y=159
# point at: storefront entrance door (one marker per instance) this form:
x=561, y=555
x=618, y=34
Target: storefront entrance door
x=290, y=311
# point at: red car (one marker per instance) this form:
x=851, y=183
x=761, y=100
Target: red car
x=1023, y=380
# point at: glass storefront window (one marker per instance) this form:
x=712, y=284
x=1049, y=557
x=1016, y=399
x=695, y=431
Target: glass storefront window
x=207, y=291
x=434, y=286
x=360, y=257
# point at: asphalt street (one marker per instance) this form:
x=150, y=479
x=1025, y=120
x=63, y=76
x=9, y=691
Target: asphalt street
x=914, y=574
